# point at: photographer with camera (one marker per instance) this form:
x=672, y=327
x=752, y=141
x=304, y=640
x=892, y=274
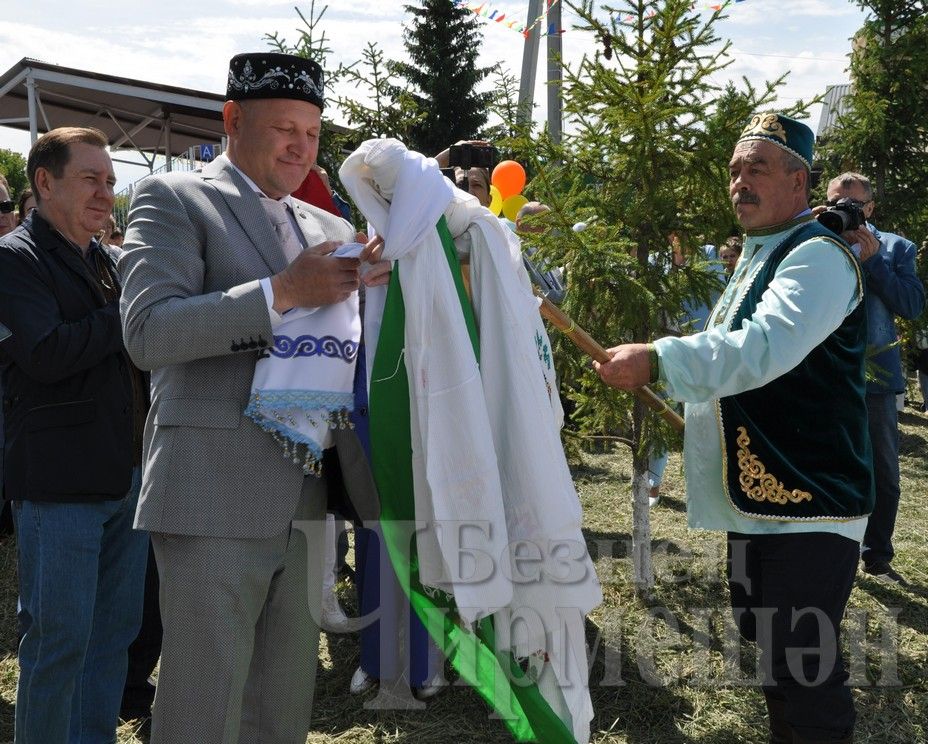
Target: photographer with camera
x=468, y=163
x=893, y=288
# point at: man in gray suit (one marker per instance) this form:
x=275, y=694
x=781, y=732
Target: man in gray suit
x=235, y=526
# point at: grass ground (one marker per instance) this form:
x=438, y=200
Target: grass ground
x=661, y=672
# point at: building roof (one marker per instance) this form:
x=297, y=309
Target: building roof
x=835, y=104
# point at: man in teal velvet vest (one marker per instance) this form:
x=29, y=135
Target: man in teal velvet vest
x=776, y=447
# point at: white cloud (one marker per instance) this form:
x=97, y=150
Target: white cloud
x=763, y=12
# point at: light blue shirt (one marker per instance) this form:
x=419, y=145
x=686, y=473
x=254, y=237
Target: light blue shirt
x=815, y=287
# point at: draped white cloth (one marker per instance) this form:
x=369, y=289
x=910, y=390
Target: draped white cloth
x=486, y=444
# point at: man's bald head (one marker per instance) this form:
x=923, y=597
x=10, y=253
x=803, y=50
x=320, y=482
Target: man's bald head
x=529, y=210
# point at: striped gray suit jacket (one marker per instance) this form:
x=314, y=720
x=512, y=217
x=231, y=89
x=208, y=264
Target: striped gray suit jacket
x=194, y=313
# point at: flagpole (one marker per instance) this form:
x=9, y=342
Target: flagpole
x=555, y=73
x=529, y=65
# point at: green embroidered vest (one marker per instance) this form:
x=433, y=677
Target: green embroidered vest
x=798, y=448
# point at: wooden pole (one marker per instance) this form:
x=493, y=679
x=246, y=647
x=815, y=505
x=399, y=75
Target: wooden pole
x=585, y=342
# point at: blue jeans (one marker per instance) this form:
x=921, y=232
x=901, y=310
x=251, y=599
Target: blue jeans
x=657, y=464
x=389, y=651
x=884, y=435
x=81, y=577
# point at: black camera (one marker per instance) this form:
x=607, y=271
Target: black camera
x=461, y=158
x=845, y=215
x=472, y=156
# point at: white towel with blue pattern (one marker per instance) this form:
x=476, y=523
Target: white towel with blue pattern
x=303, y=384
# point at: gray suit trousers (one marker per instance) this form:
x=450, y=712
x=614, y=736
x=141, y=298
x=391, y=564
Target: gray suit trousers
x=241, y=632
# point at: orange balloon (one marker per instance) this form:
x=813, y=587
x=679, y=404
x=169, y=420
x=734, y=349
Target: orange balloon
x=509, y=178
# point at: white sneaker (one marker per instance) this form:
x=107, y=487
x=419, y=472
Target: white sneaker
x=361, y=682
x=431, y=687
x=334, y=618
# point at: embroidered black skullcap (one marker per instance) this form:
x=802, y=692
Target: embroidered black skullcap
x=256, y=75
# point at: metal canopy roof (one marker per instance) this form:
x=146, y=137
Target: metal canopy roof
x=148, y=117
x=836, y=103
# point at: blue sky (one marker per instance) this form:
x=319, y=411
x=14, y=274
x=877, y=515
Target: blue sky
x=189, y=43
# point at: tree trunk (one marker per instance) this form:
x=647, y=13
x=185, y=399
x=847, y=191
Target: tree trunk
x=641, y=530
x=643, y=572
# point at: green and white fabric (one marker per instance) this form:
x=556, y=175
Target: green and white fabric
x=465, y=441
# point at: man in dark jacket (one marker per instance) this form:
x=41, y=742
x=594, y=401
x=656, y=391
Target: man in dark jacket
x=7, y=223
x=74, y=408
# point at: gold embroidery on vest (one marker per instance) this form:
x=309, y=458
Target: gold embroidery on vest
x=752, y=470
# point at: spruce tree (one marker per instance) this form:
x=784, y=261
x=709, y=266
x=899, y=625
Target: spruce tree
x=443, y=43
x=644, y=164
x=383, y=110
x=883, y=134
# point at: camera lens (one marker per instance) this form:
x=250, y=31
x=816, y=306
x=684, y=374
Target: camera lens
x=834, y=220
